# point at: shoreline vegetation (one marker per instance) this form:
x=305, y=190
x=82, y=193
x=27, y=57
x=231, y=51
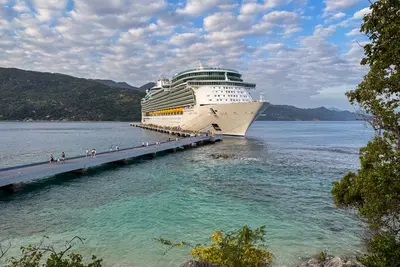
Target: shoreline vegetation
x=244, y=247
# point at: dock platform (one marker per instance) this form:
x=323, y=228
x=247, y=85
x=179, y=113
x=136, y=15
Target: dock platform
x=25, y=173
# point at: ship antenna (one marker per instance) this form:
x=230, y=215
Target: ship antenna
x=201, y=65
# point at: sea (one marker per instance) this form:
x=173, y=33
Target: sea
x=280, y=177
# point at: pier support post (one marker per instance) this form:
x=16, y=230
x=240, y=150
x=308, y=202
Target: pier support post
x=11, y=188
x=122, y=162
x=80, y=171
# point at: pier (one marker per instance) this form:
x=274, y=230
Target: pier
x=9, y=177
x=211, y=130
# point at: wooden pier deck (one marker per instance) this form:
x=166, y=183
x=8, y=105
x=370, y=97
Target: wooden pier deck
x=19, y=174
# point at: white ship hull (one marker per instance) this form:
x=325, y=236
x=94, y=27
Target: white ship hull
x=232, y=118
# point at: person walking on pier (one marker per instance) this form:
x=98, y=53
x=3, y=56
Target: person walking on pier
x=51, y=158
x=92, y=152
x=63, y=157
x=87, y=152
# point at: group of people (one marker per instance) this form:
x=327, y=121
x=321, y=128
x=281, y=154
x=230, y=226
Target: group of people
x=92, y=153
x=57, y=159
x=145, y=144
x=158, y=143
x=116, y=149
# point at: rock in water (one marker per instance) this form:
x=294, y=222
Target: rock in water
x=331, y=262
x=335, y=262
x=198, y=264
x=222, y=156
x=311, y=263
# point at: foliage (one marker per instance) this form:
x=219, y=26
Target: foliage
x=375, y=189
x=35, y=256
x=386, y=251
x=321, y=256
x=241, y=248
x=52, y=96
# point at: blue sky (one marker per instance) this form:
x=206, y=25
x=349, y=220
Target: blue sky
x=299, y=52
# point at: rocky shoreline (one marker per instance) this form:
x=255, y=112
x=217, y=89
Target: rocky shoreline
x=316, y=261
x=331, y=262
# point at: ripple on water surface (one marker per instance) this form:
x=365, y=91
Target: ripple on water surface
x=280, y=177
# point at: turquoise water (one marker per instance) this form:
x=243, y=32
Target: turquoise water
x=281, y=177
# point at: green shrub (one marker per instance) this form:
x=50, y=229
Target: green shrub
x=241, y=248
x=46, y=256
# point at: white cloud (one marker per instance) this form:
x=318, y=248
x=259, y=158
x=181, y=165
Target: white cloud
x=354, y=32
x=136, y=41
x=339, y=15
x=320, y=31
x=337, y=5
x=304, y=74
x=361, y=13
x=20, y=6
x=273, y=47
x=287, y=21
x=199, y=7
x=252, y=8
x=356, y=52
x=48, y=9
x=187, y=38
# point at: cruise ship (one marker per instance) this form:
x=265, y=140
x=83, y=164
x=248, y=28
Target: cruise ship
x=202, y=99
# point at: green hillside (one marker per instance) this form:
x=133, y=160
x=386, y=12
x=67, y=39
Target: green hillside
x=52, y=96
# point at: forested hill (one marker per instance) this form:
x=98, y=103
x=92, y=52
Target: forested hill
x=52, y=96
x=291, y=113
x=112, y=83
x=29, y=95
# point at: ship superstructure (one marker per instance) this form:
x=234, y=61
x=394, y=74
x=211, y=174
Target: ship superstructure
x=195, y=99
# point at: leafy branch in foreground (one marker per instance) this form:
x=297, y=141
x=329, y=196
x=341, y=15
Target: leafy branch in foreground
x=375, y=189
x=42, y=255
x=4, y=249
x=240, y=248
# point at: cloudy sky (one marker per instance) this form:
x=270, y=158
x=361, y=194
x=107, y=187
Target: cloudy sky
x=299, y=52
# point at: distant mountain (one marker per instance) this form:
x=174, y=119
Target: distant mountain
x=146, y=86
x=48, y=96
x=334, y=109
x=125, y=85
x=30, y=95
x=291, y=113
x=114, y=84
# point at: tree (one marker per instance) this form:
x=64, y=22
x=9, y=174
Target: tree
x=241, y=248
x=42, y=255
x=374, y=190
